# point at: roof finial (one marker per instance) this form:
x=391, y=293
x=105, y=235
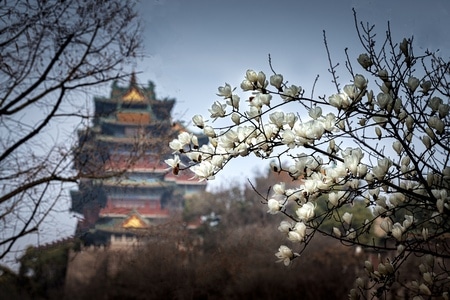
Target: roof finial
x=133, y=79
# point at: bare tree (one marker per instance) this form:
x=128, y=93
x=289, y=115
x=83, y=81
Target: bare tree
x=382, y=140
x=49, y=50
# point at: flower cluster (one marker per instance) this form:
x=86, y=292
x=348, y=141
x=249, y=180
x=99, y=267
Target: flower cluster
x=387, y=149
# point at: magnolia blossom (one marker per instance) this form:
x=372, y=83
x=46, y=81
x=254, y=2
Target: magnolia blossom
x=277, y=118
x=365, y=61
x=397, y=231
x=176, y=145
x=347, y=217
x=383, y=166
x=397, y=146
x=335, y=197
x=204, y=170
x=209, y=131
x=251, y=76
x=306, y=211
x=174, y=163
x=198, y=121
x=217, y=110
x=315, y=112
x=276, y=81
x=274, y=206
x=279, y=188
x=285, y=227
x=340, y=100
x=284, y=255
x=413, y=83
x=360, y=82
x=233, y=101
x=291, y=93
x=225, y=91
x=337, y=232
x=298, y=233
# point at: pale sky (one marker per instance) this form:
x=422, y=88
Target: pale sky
x=192, y=47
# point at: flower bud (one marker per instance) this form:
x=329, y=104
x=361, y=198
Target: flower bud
x=276, y=81
x=404, y=47
x=365, y=61
x=413, y=83
x=360, y=82
x=251, y=76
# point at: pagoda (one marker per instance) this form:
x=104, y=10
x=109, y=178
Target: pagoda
x=126, y=186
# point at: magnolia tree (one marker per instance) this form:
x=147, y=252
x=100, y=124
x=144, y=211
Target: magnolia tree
x=381, y=139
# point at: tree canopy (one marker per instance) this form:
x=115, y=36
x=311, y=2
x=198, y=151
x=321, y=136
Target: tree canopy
x=51, y=52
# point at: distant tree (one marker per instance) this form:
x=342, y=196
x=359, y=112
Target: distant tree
x=382, y=140
x=50, y=52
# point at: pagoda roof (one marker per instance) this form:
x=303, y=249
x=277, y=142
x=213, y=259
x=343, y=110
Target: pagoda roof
x=125, y=212
x=136, y=184
x=145, y=164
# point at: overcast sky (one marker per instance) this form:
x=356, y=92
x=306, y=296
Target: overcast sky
x=194, y=46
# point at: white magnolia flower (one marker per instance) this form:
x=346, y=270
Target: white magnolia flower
x=251, y=76
x=365, y=61
x=337, y=232
x=351, y=234
x=284, y=255
x=234, y=101
x=291, y=93
x=434, y=103
x=261, y=81
x=404, y=46
x=384, y=100
x=290, y=119
x=340, y=100
x=426, y=86
x=360, y=82
x=383, y=74
x=217, y=110
x=209, y=131
x=279, y=188
x=347, y=217
x=443, y=110
x=306, y=211
x=383, y=166
x=398, y=147
x=198, y=121
x=298, y=233
x=176, y=145
x=276, y=81
x=436, y=123
x=288, y=138
x=274, y=206
x=246, y=85
x=174, y=162
x=277, y=118
x=236, y=118
x=185, y=138
x=315, y=112
x=335, y=197
x=397, y=231
x=386, y=225
x=351, y=91
x=285, y=227
x=204, y=170
x=225, y=91
x=413, y=83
